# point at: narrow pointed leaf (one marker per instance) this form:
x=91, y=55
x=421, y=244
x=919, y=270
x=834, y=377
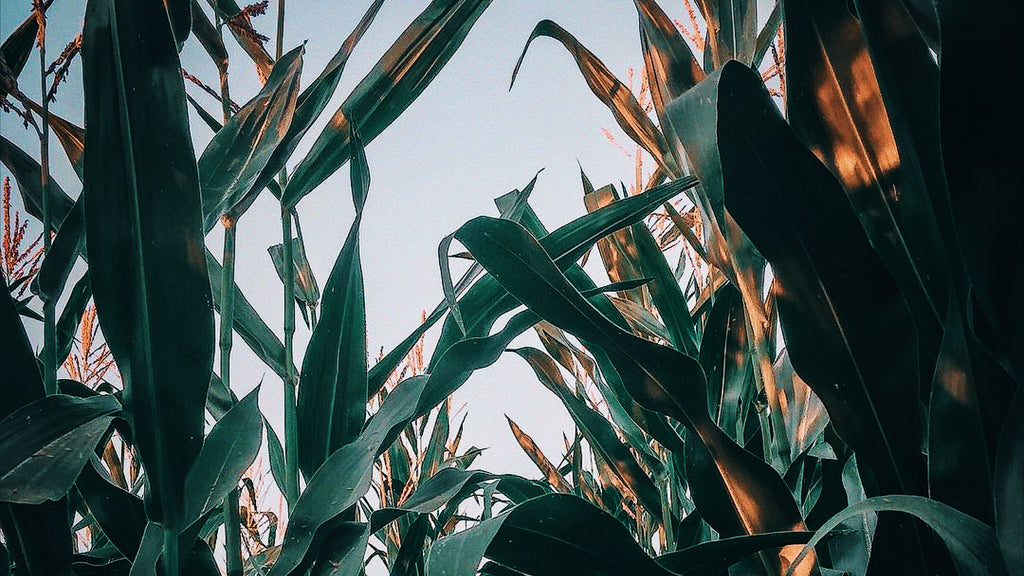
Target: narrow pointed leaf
x=720, y=554
x=332, y=387
x=17, y=48
x=660, y=378
x=313, y=100
x=62, y=255
x=26, y=173
x=731, y=29
x=835, y=105
x=551, y=474
x=398, y=78
x=120, y=514
x=228, y=451
x=598, y=432
x=143, y=216
x=857, y=352
x=241, y=149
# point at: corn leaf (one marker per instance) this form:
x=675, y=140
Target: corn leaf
x=551, y=474
x=552, y=534
x=670, y=65
x=332, y=387
x=313, y=100
x=971, y=542
x=732, y=29
x=599, y=433
x=660, y=378
x=987, y=208
x=241, y=149
x=228, y=451
x=144, y=227
x=628, y=113
x=53, y=273
x=16, y=49
x=120, y=514
x=726, y=362
x=715, y=555
x=835, y=105
x=342, y=551
x=397, y=79
x=26, y=173
x=858, y=357
x=46, y=443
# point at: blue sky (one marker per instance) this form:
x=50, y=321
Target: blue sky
x=465, y=141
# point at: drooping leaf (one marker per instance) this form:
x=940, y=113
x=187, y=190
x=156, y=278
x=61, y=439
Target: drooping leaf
x=228, y=451
x=27, y=174
x=145, y=238
x=306, y=287
x=660, y=378
x=720, y=554
x=17, y=48
x=598, y=432
x=971, y=542
x=46, y=443
x=397, y=79
x=252, y=46
x=241, y=149
x=553, y=534
x=332, y=387
x=628, y=113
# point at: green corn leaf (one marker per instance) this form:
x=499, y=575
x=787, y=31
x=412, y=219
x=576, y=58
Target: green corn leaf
x=53, y=273
x=398, y=78
x=732, y=26
x=27, y=174
x=228, y=451
x=723, y=355
x=333, y=384
x=313, y=100
x=71, y=317
x=660, y=378
x=145, y=237
x=241, y=149
x=120, y=514
x=971, y=542
x=549, y=535
x=628, y=113
x=708, y=557
x=855, y=351
x=342, y=551
x=343, y=478
x=275, y=452
x=42, y=530
x=17, y=48
x=179, y=12
x=670, y=65
x=248, y=324
x=307, y=291
x=46, y=443
x=987, y=209
x=835, y=105
x=598, y=432
x=208, y=36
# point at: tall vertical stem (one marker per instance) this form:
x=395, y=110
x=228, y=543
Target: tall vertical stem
x=291, y=436
x=290, y=413
x=232, y=519
x=232, y=536
x=49, y=304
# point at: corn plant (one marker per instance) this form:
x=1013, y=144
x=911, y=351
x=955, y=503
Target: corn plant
x=854, y=315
